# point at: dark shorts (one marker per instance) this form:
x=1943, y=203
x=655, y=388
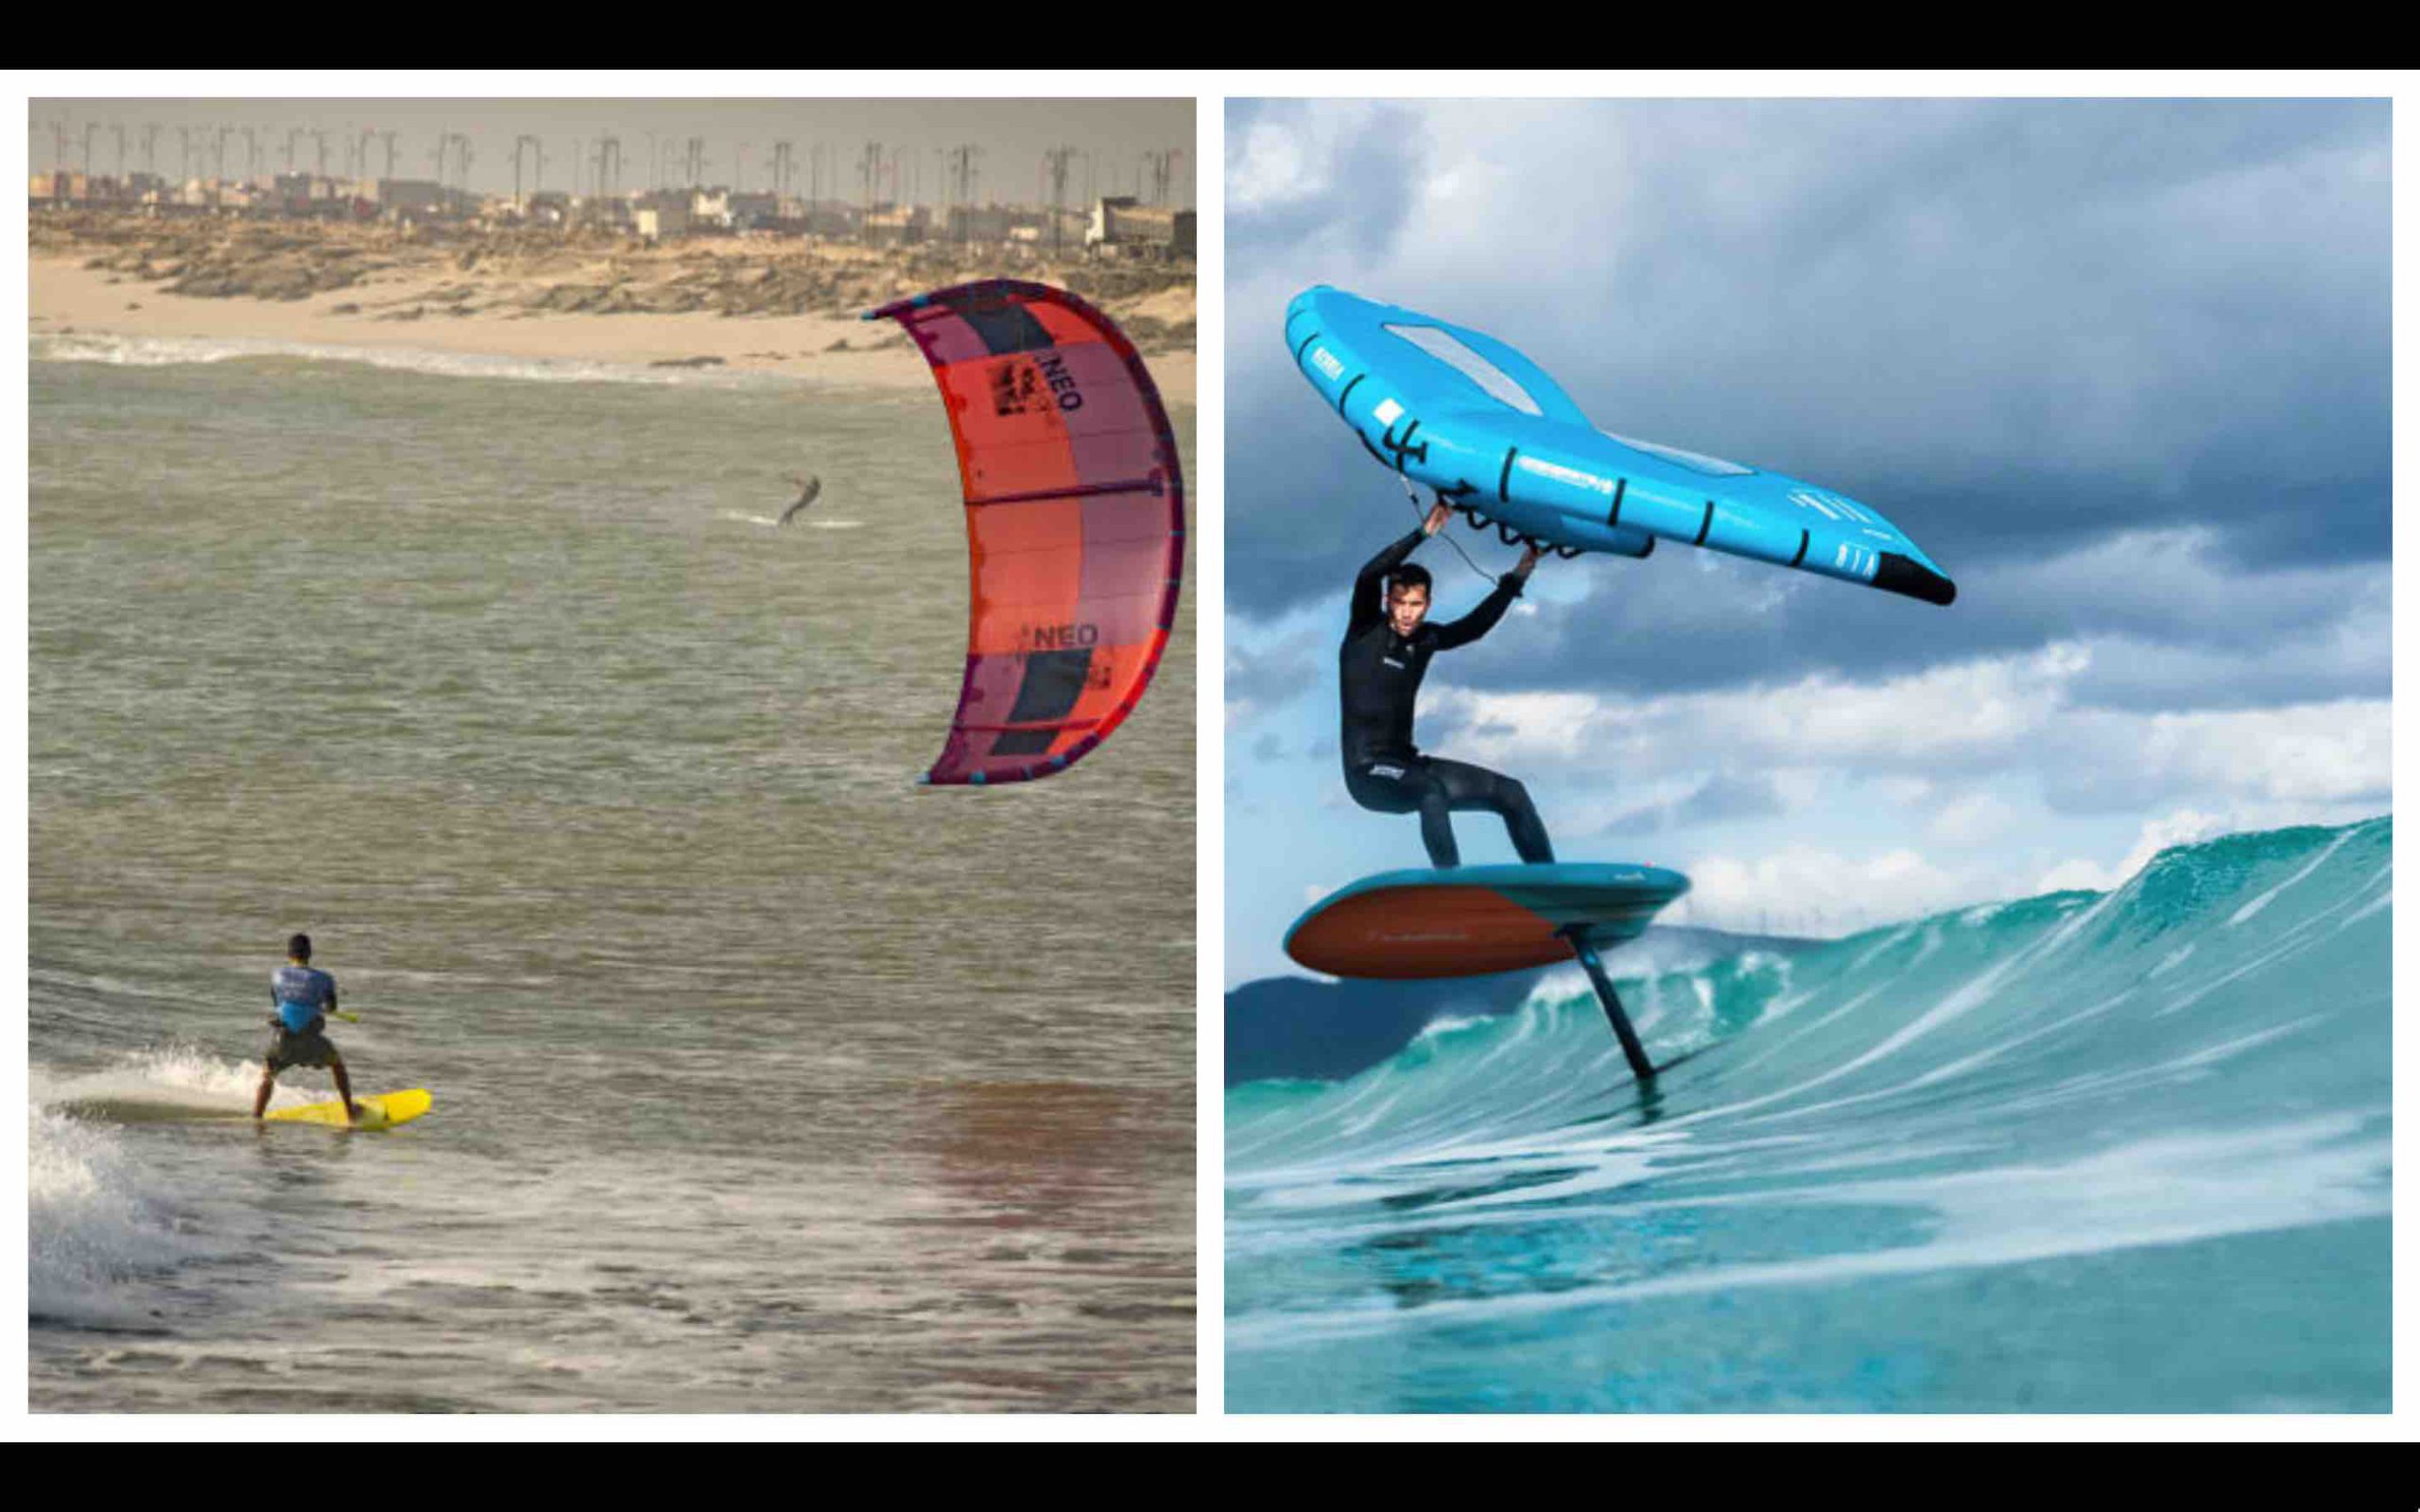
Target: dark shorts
x=299, y=1047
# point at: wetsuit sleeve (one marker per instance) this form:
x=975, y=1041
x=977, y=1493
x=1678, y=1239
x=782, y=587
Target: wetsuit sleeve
x=1368, y=602
x=1482, y=619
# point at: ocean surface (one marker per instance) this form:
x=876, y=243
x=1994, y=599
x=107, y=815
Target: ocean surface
x=2082, y=1153
x=765, y=1080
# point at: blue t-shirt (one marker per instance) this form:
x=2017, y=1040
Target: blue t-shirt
x=302, y=994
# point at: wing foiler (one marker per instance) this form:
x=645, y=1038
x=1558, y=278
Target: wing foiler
x=1075, y=521
x=1492, y=435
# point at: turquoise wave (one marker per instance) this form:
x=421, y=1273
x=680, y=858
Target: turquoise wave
x=2079, y=1152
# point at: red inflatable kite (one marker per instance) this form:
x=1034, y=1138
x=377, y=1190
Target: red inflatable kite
x=1075, y=521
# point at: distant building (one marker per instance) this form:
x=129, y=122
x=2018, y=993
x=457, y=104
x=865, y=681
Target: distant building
x=1122, y=226
x=983, y=223
x=310, y=195
x=898, y=225
x=819, y=217
x=602, y=209
x=406, y=196
x=658, y=215
x=746, y=212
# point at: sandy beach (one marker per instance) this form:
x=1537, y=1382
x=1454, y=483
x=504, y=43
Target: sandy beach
x=739, y=303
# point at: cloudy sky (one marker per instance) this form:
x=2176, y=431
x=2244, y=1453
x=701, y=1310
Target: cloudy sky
x=2121, y=367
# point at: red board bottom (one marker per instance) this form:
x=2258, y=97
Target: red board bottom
x=1438, y=930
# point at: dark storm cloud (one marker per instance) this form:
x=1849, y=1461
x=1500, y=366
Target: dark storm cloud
x=2020, y=329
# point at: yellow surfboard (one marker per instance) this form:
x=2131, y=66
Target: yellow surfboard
x=378, y=1110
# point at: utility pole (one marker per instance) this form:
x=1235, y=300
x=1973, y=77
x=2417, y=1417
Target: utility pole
x=460, y=147
x=869, y=177
x=58, y=159
x=1162, y=165
x=1055, y=162
x=525, y=146
x=962, y=159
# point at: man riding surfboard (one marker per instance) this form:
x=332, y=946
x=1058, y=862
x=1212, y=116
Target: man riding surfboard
x=1388, y=644
x=303, y=997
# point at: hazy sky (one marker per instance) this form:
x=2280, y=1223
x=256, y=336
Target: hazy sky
x=2121, y=367
x=1110, y=136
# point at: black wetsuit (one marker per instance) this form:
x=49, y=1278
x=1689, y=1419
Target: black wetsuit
x=1379, y=674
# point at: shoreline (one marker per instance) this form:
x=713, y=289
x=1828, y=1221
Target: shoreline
x=433, y=304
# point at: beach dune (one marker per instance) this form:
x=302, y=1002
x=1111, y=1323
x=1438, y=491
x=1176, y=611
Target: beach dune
x=753, y=303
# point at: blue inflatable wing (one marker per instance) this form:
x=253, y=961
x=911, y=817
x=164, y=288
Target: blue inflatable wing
x=1494, y=436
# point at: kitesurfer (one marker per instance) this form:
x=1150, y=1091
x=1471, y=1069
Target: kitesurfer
x=1388, y=642
x=807, y=489
x=303, y=997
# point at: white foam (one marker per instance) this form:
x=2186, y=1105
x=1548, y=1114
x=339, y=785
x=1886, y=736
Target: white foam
x=741, y=516
x=95, y=1219
x=167, y=352
x=2384, y=899
x=167, y=1079
x=2262, y=902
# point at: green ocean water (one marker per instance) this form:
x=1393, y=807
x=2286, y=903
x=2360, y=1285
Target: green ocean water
x=765, y=1079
